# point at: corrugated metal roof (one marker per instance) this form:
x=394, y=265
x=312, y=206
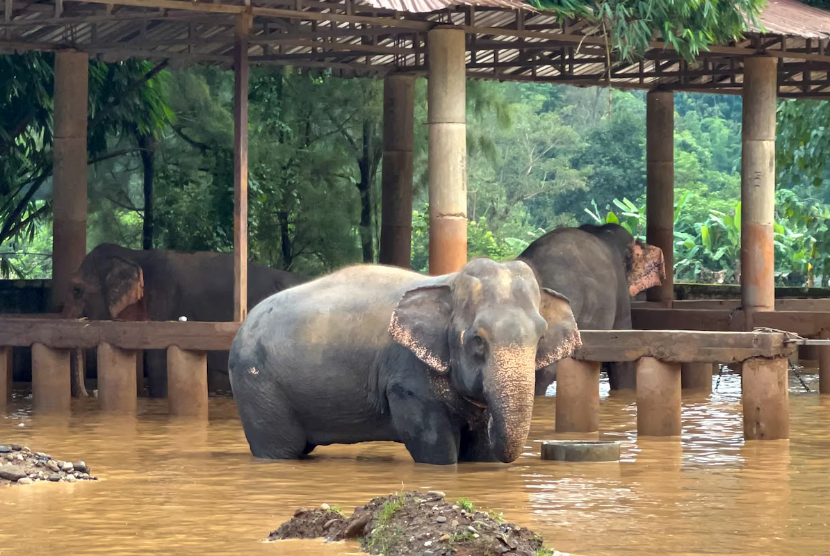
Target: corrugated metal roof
x=425, y=6
x=791, y=18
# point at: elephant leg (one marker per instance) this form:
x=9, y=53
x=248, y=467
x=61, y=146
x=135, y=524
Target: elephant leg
x=622, y=376
x=155, y=362
x=78, y=369
x=424, y=426
x=270, y=424
x=475, y=446
x=544, y=378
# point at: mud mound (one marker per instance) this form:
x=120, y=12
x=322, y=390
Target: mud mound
x=19, y=465
x=416, y=523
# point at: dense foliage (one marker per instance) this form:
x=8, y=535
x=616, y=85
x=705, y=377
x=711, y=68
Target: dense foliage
x=539, y=157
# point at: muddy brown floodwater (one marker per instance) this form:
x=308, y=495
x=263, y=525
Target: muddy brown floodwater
x=169, y=487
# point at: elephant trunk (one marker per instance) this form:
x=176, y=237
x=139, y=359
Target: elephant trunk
x=509, y=385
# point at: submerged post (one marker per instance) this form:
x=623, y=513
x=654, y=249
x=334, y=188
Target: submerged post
x=660, y=187
x=765, y=399
x=658, y=398
x=697, y=376
x=6, y=370
x=116, y=379
x=577, y=396
x=51, y=388
x=69, y=195
x=447, y=150
x=240, y=169
x=396, y=177
x=824, y=365
x=758, y=185
x=187, y=391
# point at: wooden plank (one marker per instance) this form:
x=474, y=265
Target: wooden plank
x=688, y=319
x=66, y=334
x=240, y=170
x=681, y=346
x=803, y=323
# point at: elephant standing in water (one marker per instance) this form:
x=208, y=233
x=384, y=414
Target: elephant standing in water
x=443, y=364
x=114, y=282
x=599, y=269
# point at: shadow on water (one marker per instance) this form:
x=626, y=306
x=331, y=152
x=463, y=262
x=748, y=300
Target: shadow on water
x=177, y=487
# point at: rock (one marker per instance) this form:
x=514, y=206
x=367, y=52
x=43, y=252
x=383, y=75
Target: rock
x=20, y=457
x=471, y=529
x=356, y=527
x=24, y=481
x=53, y=466
x=5, y=449
x=441, y=519
x=27, y=449
x=444, y=538
x=70, y=479
x=12, y=473
x=41, y=455
x=456, y=507
x=80, y=466
x=325, y=507
x=67, y=467
x=428, y=543
x=16, y=447
x=428, y=553
x=54, y=477
x=436, y=493
x=454, y=523
x=327, y=525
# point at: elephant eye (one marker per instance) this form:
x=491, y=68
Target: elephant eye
x=478, y=345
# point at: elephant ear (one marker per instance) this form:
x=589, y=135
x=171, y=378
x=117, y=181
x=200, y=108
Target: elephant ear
x=123, y=285
x=644, y=267
x=420, y=323
x=562, y=338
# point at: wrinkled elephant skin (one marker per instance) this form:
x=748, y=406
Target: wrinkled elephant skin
x=443, y=364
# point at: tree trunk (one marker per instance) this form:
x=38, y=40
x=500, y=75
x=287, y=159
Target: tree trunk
x=147, y=146
x=285, y=240
x=365, y=188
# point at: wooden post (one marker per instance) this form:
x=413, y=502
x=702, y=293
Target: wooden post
x=824, y=365
x=396, y=178
x=758, y=185
x=658, y=398
x=69, y=196
x=660, y=186
x=577, y=396
x=51, y=385
x=696, y=376
x=116, y=379
x=6, y=371
x=187, y=391
x=765, y=399
x=447, y=150
x=240, y=169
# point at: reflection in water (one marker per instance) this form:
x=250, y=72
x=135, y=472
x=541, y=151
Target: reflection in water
x=183, y=488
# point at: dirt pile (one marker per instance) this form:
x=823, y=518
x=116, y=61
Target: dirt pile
x=416, y=523
x=19, y=465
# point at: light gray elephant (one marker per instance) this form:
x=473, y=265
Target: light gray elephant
x=116, y=283
x=443, y=364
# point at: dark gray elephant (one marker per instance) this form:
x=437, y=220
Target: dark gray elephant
x=599, y=269
x=124, y=284
x=443, y=364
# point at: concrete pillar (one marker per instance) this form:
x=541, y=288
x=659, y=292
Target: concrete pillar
x=6, y=372
x=758, y=185
x=697, y=376
x=240, y=169
x=396, y=178
x=765, y=399
x=660, y=186
x=69, y=174
x=824, y=365
x=51, y=385
x=187, y=391
x=658, y=398
x=116, y=379
x=447, y=150
x=577, y=396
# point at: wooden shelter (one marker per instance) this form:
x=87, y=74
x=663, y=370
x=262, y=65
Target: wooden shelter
x=445, y=41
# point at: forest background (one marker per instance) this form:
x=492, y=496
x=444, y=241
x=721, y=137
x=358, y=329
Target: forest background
x=540, y=157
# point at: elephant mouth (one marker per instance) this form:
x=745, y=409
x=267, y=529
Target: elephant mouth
x=480, y=405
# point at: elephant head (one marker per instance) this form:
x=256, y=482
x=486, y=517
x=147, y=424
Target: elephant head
x=107, y=284
x=644, y=264
x=488, y=328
